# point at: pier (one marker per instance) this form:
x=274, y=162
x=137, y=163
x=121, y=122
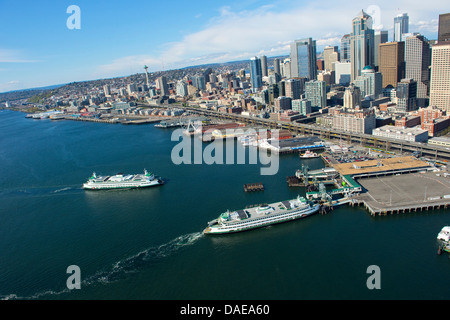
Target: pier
x=404, y=193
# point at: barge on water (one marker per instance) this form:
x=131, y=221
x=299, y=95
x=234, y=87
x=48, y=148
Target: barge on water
x=262, y=216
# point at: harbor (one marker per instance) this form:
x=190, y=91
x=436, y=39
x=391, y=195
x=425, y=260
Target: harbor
x=143, y=238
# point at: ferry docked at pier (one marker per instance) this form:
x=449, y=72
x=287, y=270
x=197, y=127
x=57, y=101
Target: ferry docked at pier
x=121, y=181
x=261, y=216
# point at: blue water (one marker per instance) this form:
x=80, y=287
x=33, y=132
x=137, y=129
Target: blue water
x=147, y=243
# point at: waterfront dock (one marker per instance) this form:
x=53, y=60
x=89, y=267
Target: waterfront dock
x=403, y=193
x=139, y=121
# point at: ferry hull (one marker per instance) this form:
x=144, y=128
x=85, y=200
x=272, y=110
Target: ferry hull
x=119, y=186
x=214, y=229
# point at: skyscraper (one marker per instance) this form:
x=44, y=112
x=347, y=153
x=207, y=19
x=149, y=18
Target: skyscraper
x=370, y=83
x=163, y=87
x=392, y=62
x=264, y=66
x=182, y=89
x=286, y=68
x=345, y=48
x=255, y=73
x=417, y=63
x=406, y=95
x=107, y=90
x=444, y=27
x=361, y=43
x=303, y=59
x=294, y=88
x=440, y=76
x=198, y=81
x=352, y=97
x=276, y=66
x=315, y=91
x=330, y=55
x=380, y=37
x=401, y=26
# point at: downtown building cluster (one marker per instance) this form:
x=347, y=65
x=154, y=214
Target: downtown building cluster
x=367, y=82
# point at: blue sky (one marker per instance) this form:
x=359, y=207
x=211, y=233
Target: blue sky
x=117, y=37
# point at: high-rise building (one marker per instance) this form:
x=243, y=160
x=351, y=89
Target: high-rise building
x=440, y=76
x=401, y=26
x=294, y=88
x=315, y=91
x=198, y=81
x=131, y=87
x=392, y=62
x=361, y=43
x=255, y=73
x=282, y=103
x=345, y=48
x=212, y=78
x=444, y=27
x=304, y=59
x=107, y=90
x=264, y=66
x=342, y=73
x=330, y=55
x=182, y=89
x=406, y=95
x=352, y=97
x=286, y=68
x=276, y=66
x=273, y=92
x=417, y=65
x=370, y=83
x=380, y=37
x=302, y=106
x=162, y=84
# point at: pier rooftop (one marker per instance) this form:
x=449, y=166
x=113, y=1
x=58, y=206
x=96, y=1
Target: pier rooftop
x=408, y=192
x=381, y=166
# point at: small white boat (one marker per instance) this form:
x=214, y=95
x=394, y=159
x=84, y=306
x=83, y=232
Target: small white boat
x=444, y=234
x=309, y=154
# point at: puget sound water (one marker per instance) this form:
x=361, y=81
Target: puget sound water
x=148, y=243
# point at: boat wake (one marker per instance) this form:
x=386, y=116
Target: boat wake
x=143, y=259
x=122, y=268
x=40, y=191
x=62, y=190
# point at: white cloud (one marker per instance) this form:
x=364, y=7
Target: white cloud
x=268, y=30
x=10, y=85
x=13, y=56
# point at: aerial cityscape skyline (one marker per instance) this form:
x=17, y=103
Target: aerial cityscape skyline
x=40, y=52
x=211, y=151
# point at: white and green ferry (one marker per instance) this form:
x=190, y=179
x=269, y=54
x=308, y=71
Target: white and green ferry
x=121, y=181
x=261, y=216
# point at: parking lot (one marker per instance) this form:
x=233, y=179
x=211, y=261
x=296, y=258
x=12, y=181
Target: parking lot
x=405, y=189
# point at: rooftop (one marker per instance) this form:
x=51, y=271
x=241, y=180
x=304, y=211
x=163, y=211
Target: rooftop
x=381, y=165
